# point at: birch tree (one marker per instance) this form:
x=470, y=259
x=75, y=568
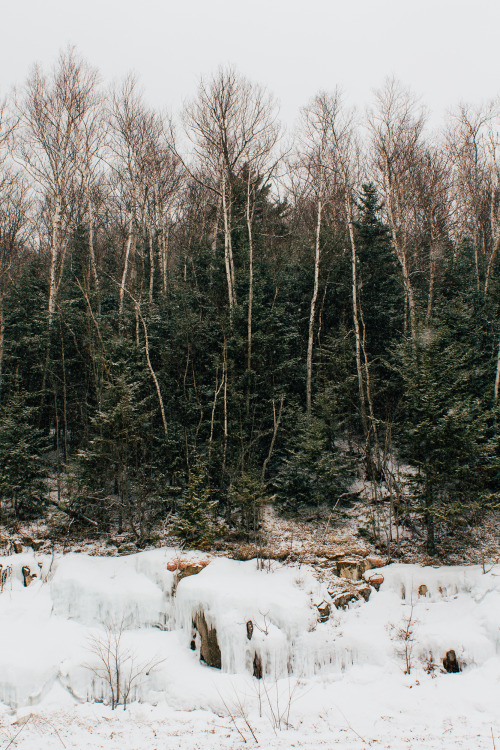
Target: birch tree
x=135, y=131
x=229, y=124
x=313, y=176
x=396, y=123
x=54, y=112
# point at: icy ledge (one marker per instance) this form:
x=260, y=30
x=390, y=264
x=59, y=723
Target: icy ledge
x=46, y=628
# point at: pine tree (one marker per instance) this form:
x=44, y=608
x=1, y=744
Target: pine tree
x=314, y=472
x=446, y=432
x=194, y=520
x=22, y=450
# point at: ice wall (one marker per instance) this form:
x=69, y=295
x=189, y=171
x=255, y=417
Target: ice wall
x=47, y=628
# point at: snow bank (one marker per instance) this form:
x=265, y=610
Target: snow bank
x=279, y=604
x=46, y=629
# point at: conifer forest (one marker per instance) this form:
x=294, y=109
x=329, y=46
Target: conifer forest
x=202, y=312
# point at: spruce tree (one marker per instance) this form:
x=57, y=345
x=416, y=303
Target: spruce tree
x=23, y=449
x=194, y=520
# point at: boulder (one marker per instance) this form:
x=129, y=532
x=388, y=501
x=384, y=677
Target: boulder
x=450, y=662
x=18, y=547
x=364, y=592
x=209, y=645
x=375, y=580
x=342, y=600
x=28, y=576
x=422, y=589
x=185, y=569
x=5, y=574
x=323, y=611
x=257, y=667
x=350, y=569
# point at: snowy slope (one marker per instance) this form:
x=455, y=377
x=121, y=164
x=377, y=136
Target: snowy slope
x=341, y=681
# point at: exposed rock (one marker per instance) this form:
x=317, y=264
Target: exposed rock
x=28, y=575
x=5, y=574
x=375, y=561
x=376, y=580
x=257, y=666
x=18, y=547
x=249, y=630
x=129, y=548
x=422, y=589
x=342, y=601
x=185, y=569
x=37, y=544
x=365, y=591
x=209, y=645
x=323, y=611
x=27, y=540
x=450, y=662
x=350, y=569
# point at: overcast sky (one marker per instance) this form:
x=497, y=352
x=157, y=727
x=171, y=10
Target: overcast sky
x=445, y=50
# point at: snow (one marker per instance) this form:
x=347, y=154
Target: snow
x=340, y=682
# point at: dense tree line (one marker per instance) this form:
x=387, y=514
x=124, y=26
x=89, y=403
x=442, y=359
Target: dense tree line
x=195, y=318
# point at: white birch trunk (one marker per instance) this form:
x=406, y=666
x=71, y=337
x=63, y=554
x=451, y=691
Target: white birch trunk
x=312, y=315
x=128, y=250
x=54, y=258
x=355, y=315
x=497, y=378
x=228, y=251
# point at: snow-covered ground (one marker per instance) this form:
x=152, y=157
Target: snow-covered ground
x=342, y=682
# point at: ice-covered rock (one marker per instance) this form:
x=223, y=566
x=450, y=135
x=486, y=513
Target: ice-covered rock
x=47, y=628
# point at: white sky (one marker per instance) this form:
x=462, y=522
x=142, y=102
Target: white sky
x=445, y=50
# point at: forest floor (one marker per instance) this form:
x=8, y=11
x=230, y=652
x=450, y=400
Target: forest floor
x=355, y=530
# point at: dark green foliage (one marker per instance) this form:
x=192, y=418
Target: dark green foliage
x=194, y=520
x=315, y=470
x=246, y=497
x=446, y=432
x=23, y=489
x=97, y=391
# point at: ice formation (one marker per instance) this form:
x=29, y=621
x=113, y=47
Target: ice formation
x=47, y=627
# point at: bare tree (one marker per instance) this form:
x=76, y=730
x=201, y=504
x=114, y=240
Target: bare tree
x=117, y=665
x=14, y=217
x=473, y=151
x=230, y=124
x=55, y=112
x=134, y=138
x=396, y=123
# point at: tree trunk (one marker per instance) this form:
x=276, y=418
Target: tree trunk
x=432, y=280
x=151, y=265
x=497, y=378
x=90, y=230
x=228, y=250
x=128, y=250
x=54, y=257
x=357, y=335
x=312, y=315
x=249, y=218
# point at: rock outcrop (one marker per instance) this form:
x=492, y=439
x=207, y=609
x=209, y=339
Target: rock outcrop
x=209, y=645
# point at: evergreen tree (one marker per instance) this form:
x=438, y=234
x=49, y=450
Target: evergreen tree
x=446, y=433
x=314, y=472
x=23, y=449
x=194, y=520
